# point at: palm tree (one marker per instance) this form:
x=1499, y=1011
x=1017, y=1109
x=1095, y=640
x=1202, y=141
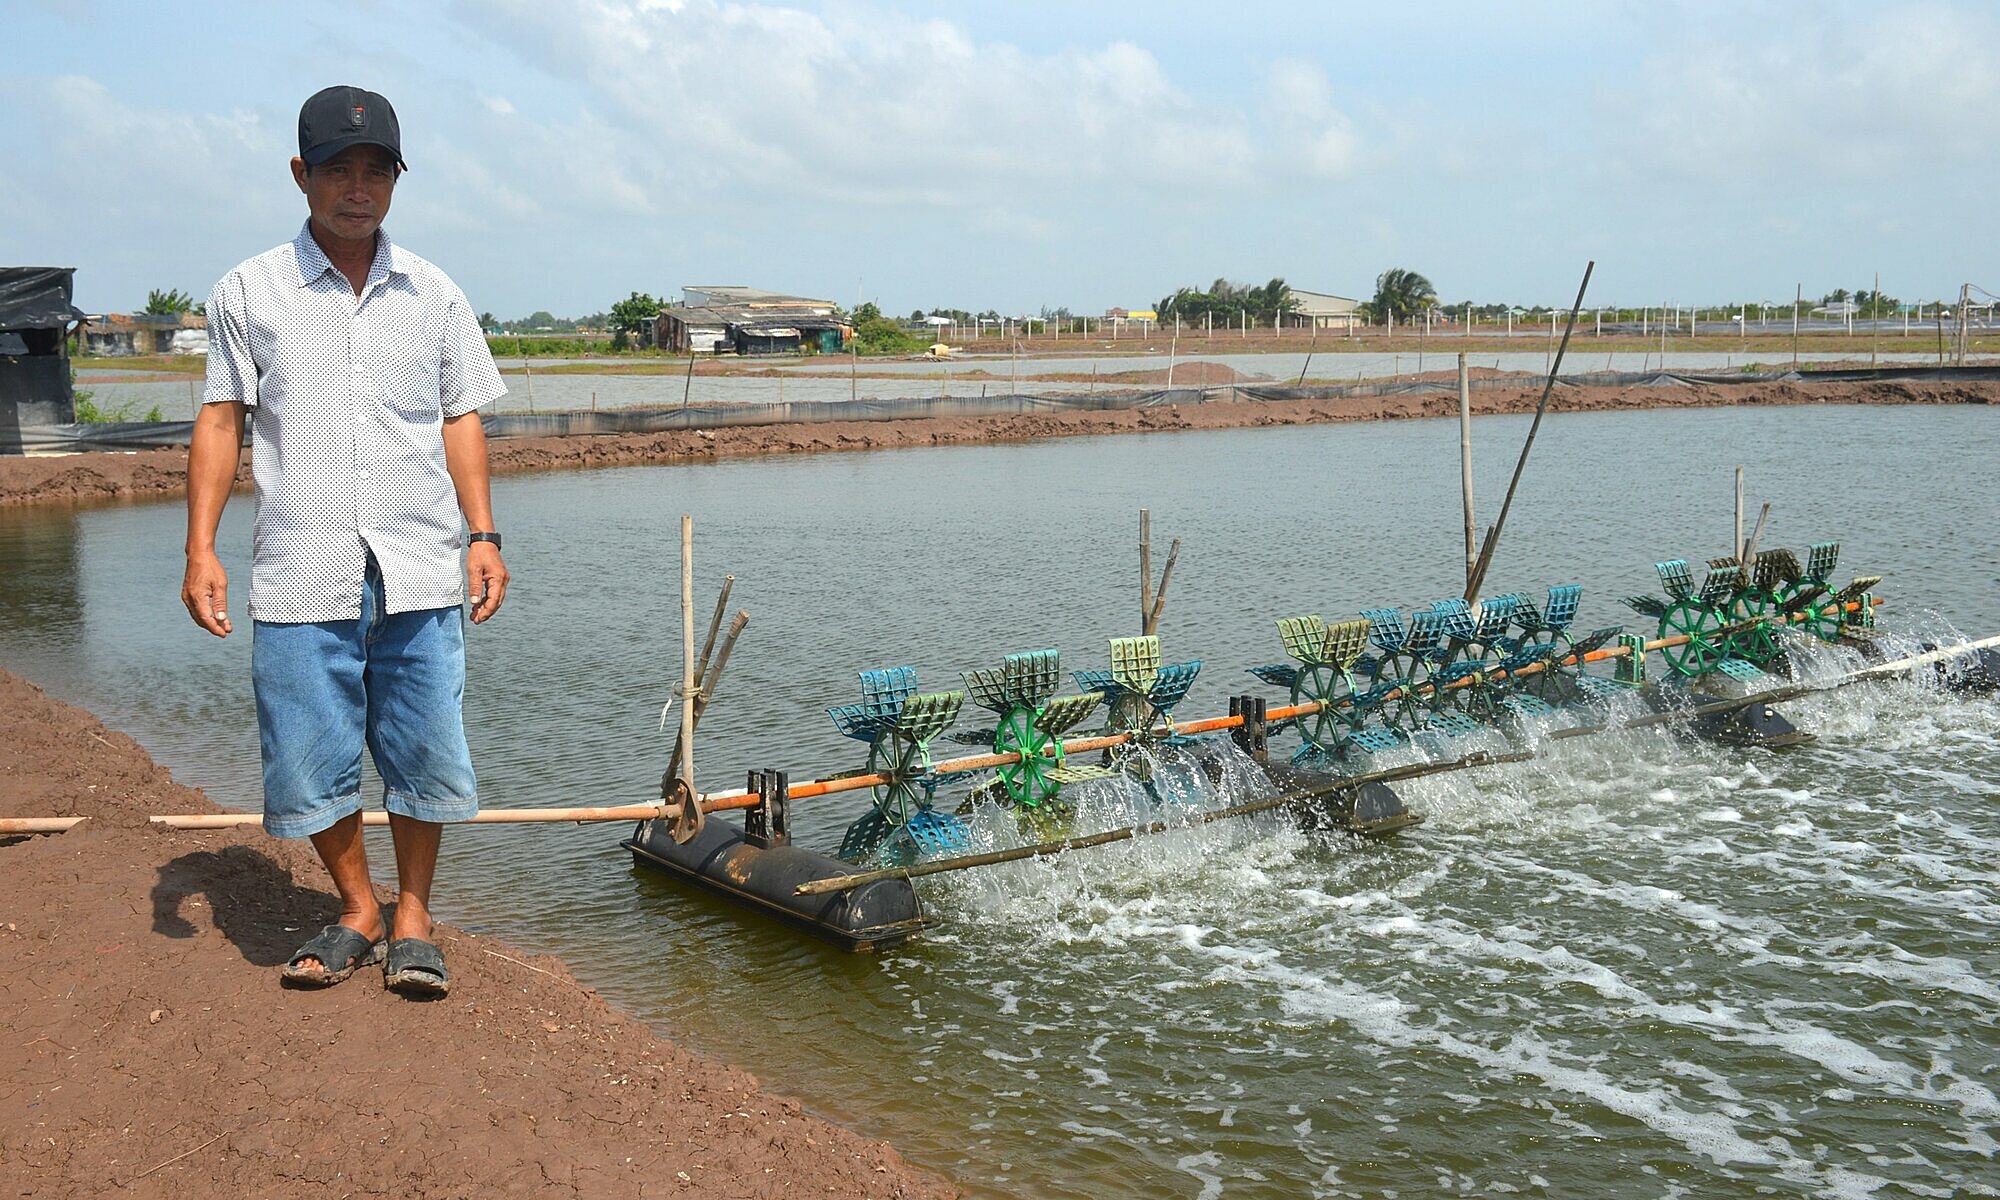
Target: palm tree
x=174, y=300
x=1402, y=292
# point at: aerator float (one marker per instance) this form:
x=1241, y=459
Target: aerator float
x=1451, y=685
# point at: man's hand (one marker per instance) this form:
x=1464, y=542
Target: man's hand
x=485, y=580
x=205, y=591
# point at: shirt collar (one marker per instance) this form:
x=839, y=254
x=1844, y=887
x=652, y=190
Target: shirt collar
x=313, y=262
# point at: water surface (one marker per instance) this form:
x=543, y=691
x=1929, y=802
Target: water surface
x=1635, y=969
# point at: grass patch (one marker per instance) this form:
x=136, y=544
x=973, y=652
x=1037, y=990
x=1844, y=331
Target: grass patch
x=87, y=412
x=173, y=364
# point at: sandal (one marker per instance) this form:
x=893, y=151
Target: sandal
x=415, y=968
x=332, y=944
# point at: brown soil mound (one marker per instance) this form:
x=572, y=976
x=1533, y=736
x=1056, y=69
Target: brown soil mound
x=163, y=472
x=153, y=1052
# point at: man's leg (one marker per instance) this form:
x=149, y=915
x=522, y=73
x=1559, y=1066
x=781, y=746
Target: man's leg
x=416, y=692
x=311, y=709
x=416, y=862
x=346, y=859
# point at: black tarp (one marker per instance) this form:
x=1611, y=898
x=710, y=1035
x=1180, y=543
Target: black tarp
x=36, y=298
x=35, y=316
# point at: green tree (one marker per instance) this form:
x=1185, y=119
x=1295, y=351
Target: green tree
x=488, y=321
x=167, y=303
x=1401, y=292
x=877, y=334
x=634, y=312
x=1224, y=301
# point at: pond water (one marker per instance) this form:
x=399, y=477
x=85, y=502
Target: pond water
x=1634, y=968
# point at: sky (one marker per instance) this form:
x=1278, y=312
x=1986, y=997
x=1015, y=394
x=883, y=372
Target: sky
x=1030, y=155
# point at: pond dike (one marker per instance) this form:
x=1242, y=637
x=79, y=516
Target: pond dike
x=151, y=459
x=156, y=1054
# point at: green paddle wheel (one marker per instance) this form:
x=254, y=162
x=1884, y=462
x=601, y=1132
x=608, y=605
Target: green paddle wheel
x=1734, y=623
x=1324, y=674
x=1700, y=616
x=1806, y=596
x=1032, y=722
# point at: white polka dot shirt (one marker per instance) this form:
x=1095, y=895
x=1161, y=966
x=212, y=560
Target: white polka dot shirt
x=348, y=395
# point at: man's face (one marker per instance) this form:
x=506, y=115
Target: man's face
x=349, y=193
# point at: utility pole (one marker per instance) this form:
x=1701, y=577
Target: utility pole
x=1797, y=297
x=1964, y=320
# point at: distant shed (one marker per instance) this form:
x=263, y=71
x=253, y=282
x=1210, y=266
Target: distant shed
x=716, y=319
x=1322, y=310
x=113, y=334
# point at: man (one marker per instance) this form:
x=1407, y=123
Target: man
x=365, y=367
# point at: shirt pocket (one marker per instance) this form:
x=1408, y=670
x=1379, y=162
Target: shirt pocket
x=407, y=371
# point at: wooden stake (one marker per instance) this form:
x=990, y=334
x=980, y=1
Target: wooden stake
x=1875, y=322
x=1152, y=626
x=1465, y=465
x=1145, y=566
x=690, y=818
x=1737, y=544
x=707, y=679
x=1750, y=547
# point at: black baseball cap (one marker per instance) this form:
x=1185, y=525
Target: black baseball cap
x=338, y=117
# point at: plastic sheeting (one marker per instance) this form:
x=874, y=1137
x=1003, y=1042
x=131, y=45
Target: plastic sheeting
x=60, y=439
x=36, y=298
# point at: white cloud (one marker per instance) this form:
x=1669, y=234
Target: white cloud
x=879, y=109
x=150, y=180
x=1838, y=100
x=1318, y=139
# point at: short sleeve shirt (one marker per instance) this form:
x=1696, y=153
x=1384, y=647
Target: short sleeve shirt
x=348, y=395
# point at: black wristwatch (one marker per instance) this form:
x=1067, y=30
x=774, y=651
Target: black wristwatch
x=484, y=537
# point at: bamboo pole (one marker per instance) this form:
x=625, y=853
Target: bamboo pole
x=1145, y=565
x=690, y=817
x=1152, y=626
x=1736, y=545
x=1493, y=535
x=1465, y=466
x=1750, y=547
x=707, y=679
x=728, y=801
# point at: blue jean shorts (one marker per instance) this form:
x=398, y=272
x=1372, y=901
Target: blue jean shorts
x=394, y=683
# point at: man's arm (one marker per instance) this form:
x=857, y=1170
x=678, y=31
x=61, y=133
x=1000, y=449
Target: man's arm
x=465, y=457
x=213, y=454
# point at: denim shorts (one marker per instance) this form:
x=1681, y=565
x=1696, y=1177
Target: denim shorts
x=394, y=683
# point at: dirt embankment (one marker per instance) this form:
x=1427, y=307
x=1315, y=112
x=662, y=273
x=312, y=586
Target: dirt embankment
x=162, y=472
x=151, y=1051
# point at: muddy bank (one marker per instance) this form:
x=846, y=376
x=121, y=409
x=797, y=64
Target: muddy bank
x=153, y=1052
x=162, y=472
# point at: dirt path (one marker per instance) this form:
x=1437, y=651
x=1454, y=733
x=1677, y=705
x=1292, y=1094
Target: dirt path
x=163, y=472
x=151, y=1051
